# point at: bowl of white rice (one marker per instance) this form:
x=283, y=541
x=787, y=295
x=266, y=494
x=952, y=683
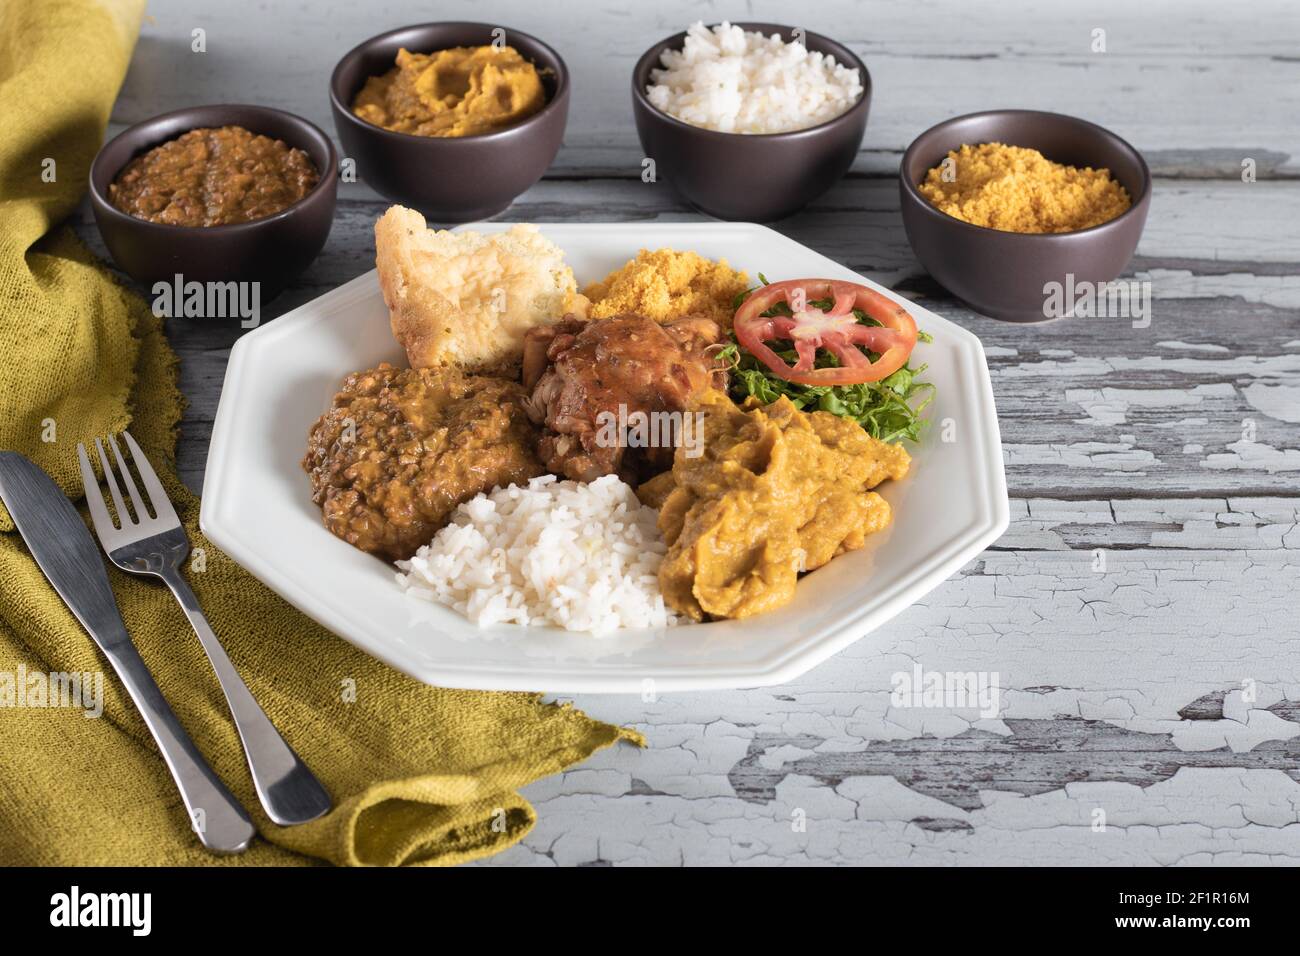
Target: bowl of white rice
x=750, y=121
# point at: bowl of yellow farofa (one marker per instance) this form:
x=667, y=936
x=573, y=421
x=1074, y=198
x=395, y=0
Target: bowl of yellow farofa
x=1023, y=215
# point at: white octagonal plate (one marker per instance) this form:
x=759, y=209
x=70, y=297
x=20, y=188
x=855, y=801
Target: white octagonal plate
x=282, y=376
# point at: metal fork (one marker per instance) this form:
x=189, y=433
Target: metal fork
x=156, y=546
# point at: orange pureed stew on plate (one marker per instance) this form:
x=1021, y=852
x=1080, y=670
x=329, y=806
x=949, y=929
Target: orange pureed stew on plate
x=213, y=177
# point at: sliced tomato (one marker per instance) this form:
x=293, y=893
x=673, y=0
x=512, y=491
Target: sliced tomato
x=836, y=330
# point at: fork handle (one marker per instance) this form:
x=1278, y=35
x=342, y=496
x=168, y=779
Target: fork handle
x=218, y=819
x=288, y=790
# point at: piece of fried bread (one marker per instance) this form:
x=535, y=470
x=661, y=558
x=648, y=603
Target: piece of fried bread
x=466, y=299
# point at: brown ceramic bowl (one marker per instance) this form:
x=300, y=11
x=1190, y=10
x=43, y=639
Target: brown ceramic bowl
x=450, y=179
x=755, y=177
x=1004, y=274
x=272, y=250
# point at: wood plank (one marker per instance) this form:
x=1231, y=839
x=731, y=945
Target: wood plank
x=1233, y=76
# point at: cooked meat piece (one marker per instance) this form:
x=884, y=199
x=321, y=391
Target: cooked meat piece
x=401, y=448
x=589, y=379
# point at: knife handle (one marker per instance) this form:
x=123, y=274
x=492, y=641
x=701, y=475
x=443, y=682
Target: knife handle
x=221, y=823
x=289, y=791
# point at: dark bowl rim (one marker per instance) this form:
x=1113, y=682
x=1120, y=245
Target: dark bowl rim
x=341, y=109
x=677, y=39
x=105, y=207
x=1139, y=201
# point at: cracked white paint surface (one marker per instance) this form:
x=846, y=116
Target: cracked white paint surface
x=1110, y=406
x=1188, y=523
x=1195, y=818
x=1255, y=455
x=1128, y=648
x=1111, y=457
x=1280, y=291
x=1168, y=411
x=1276, y=401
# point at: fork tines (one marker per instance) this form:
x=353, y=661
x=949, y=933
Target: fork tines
x=162, y=511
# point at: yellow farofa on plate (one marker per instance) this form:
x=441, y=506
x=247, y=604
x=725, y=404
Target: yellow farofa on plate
x=666, y=284
x=464, y=298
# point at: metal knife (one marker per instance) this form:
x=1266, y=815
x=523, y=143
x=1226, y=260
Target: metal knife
x=62, y=546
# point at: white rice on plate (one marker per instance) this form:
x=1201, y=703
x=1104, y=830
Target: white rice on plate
x=584, y=557
x=734, y=81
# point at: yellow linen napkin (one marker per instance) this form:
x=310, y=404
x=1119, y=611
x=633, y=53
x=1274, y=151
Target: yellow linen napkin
x=419, y=775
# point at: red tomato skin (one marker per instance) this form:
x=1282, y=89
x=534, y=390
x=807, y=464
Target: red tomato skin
x=893, y=339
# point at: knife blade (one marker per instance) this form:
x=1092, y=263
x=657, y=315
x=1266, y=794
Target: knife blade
x=66, y=553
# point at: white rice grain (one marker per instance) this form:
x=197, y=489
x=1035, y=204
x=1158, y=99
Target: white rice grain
x=734, y=81
x=584, y=557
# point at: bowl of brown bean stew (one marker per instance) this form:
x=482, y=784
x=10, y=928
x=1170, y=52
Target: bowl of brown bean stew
x=216, y=194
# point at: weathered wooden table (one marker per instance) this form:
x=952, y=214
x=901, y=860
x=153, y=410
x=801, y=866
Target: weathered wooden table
x=1141, y=614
